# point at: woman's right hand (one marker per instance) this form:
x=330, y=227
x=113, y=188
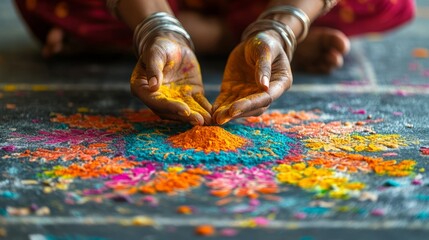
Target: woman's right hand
x=167, y=78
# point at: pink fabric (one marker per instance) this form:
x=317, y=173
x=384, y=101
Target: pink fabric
x=89, y=22
x=354, y=17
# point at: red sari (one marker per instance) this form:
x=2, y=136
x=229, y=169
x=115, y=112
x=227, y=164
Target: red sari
x=89, y=21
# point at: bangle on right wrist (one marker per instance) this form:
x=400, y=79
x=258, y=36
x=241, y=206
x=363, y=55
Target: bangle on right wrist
x=153, y=26
x=285, y=32
x=293, y=11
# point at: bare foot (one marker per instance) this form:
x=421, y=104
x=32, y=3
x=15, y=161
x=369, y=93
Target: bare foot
x=322, y=51
x=54, y=42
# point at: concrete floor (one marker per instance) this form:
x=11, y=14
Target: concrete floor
x=380, y=76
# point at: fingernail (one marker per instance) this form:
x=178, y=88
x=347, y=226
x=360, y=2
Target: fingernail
x=225, y=120
x=265, y=82
x=236, y=113
x=193, y=122
x=152, y=81
x=184, y=113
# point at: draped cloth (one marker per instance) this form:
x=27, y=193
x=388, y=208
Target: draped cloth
x=90, y=22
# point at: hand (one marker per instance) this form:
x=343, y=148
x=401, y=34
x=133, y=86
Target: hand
x=167, y=79
x=257, y=72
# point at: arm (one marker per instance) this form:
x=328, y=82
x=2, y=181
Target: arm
x=258, y=70
x=134, y=12
x=167, y=77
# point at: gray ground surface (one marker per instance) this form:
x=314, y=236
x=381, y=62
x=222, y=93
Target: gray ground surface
x=376, y=77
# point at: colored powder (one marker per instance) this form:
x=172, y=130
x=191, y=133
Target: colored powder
x=378, y=212
x=322, y=181
x=228, y=232
x=300, y=215
x=182, y=93
x=420, y=53
x=320, y=129
x=424, y=150
x=267, y=145
x=315, y=210
x=173, y=182
x=352, y=163
x=185, y=210
x=9, y=195
x=100, y=166
x=9, y=148
x=132, y=178
x=279, y=118
x=205, y=230
x=108, y=123
x=359, y=111
x=207, y=139
x=417, y=182
x=244, y=182
x=358, y=143
x=10, y=106
x=72, y=136
x=67, y=153
x=391, y=183
x=423, y=215
x=143, y=115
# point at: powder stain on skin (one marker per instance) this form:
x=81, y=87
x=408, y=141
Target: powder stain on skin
x=208, y=139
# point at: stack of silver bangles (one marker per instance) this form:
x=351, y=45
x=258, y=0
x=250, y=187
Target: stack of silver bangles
x=155, y=24
x=288, y=36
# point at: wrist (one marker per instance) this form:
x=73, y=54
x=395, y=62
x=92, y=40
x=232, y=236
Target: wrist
x=276, y=30
x=158, y=24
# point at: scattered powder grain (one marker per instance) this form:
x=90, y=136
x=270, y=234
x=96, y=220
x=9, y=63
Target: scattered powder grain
x=205, y=230
x=420, y=53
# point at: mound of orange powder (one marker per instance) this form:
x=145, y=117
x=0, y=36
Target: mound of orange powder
x=208, y=139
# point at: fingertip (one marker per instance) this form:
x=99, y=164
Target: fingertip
x=184, y=112
x=335, y=58
x=224, y=120
x=153, y=84
x=197, y=119
x=265, y=83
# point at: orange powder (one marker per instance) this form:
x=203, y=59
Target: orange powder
x=208, y=139
x=205, y=230
x=420, y=53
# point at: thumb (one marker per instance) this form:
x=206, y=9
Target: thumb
x=263, y=71
x=155, y=62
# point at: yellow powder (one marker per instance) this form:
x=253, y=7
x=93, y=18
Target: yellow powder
x=182, y=93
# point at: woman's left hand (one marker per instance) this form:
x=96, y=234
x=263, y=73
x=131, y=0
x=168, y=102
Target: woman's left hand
x=257, y=72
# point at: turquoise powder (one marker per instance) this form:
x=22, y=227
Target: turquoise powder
x=150, y=143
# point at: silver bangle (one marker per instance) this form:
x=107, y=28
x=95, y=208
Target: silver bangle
x=155, y=24
x=112, y=6
x=328, y=5
x=283, y=30
x=296, y=12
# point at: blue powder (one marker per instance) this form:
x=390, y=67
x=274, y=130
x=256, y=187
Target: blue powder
x=391, y=183
x=315, y=210
x=9, y=195
x=150, y=143
x=423, y=215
